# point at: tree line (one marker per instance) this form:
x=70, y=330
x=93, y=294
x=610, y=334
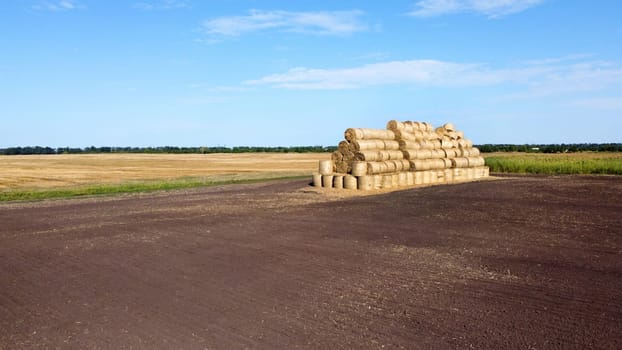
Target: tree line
x=528, y=148
x=162, y=149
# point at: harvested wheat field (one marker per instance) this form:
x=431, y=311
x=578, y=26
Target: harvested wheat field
x=45, y=171
x=516, y=263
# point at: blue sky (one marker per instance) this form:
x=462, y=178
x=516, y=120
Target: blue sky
x=269, y=73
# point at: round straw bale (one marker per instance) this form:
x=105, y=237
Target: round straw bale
x=377, y=181
x=352, y=134
x=418, y=177
x=395, y=125
x=395, y=180
x=451, y=152
x=436, y=163
x=336, y=156
x=327, y=181
x=365, y=145
x=402, y=179
x=349, y=182
x=437, y=153
x=476, y=161
x=449, y=127
x=359, y=168
x=344, y=147
x=410, y=145
x=391, y=145
x=326, y=167
x=436, y=144
x=460, y=162
x=387, y=181
x=447, y=162
x=449, y=175
x=342, y=167
x=419, y=164
x=377, y=167
x=338, y=181
x=460, y=134
x=365, y=183
x=317, y=180
x=410, y=178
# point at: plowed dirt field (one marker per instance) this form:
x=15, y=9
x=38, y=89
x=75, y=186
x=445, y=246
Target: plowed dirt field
x=524, y=263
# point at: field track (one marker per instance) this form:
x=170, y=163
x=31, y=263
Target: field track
x=527, y=262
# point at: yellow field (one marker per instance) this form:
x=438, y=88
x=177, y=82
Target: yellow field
x=47, y=171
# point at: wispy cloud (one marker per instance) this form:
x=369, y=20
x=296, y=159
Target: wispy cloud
x=340, y=23
x=162, y=5
x=57, y=6
x=489, y=8
x=536, y=80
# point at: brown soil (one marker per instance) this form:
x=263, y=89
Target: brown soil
x=528, y=263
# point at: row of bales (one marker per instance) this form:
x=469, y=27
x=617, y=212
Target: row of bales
x=407, y=153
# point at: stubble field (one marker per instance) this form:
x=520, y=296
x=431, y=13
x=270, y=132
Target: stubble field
x=528, y=262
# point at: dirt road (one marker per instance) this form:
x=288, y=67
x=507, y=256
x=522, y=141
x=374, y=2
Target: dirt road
x=529, y=263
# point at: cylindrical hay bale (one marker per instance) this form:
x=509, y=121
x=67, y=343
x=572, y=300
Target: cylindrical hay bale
x=418, y=177
x=391, y=145
x=446, y=144
x=449, y=175
x=476, y=161
x=349, y=182
x=408, y=144
x=453, y=135
x=436, y=144
x=377, y=181
x=410, y=178
x=395, y=125
x=426, y=177
x=428, y=127
x=451, y=153
x=352, y=134
x=424, y=144
x=359, y=168
x=326, y=167
x=391, y=166
x=336, y=156
x=436, y=163
x=344, y=147
x=376, y=167
x=440, y=176
x=327, y=181
x=317, y=180
x=474, y=152
x=403, y=135
x=338, y=181
x=364, y=145
x=437, y=153
x=424, y=154
x=447, y=162
x=470, y=173
x=402, y=180
x=377, y=156
x=342, y=167
x=387, y=181
x=449, y=127
x=462, y=144
x=460, y=162
x=460, y=135
x=403, y=164
x=395, y=180
x=365, y=183
x=348, y=156
x=467, y=143
x=419, y=164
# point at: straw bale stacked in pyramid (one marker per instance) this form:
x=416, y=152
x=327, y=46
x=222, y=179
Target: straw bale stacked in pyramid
x=405, y=154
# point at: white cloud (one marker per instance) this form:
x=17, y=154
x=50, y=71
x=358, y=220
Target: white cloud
x=319, y=23
x=57, y=6
x=536, y=80
x=162, y=5
x=489, y=8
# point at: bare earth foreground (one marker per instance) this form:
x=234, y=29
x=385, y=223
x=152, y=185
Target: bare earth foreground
x=529, y=262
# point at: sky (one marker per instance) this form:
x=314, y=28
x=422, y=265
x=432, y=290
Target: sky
x=78, y=73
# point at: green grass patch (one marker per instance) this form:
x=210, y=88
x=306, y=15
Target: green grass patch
x=130, y=187
x=555, y=164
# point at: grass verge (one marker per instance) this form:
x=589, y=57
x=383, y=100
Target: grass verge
x=131, y=187
x=555, y=164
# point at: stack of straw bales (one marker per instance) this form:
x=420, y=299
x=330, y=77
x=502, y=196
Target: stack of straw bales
x=405, y=154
